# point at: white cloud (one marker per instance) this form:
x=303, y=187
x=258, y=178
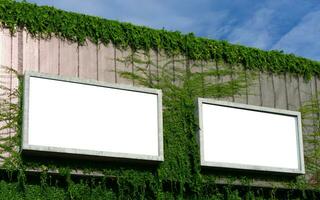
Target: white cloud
x=254, y=32
x=303, y=39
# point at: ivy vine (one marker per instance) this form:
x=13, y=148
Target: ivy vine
x=178, y=177
x=45, y=21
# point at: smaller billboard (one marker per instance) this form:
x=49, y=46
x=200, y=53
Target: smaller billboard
x=249, y=137
x=90, y=118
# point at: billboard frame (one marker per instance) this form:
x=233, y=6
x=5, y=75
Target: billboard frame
x=79, y=153
x=235, y=166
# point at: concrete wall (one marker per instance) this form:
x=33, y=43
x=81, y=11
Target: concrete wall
x=55, y=56
x=99, y=62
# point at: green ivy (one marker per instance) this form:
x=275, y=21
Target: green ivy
x=45, y=21
x=311, y=126
x=180, y=176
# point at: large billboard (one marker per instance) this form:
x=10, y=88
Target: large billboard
x=90, y=118
x=250, y=137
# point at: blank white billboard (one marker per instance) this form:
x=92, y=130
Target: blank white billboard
x=91, y=118
x=250, y=137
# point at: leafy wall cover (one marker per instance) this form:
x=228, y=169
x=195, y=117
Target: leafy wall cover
x=46, y=21
x=180, y=175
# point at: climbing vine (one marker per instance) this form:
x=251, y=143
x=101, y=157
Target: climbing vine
x=179, y=176
x=10, y=121
x=45, y=21
x=311, y=124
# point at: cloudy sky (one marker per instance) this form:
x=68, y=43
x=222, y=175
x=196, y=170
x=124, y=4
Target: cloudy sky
x=289, y=25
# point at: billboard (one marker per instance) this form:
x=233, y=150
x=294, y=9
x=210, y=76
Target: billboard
x=248, y=137
x=90, y=118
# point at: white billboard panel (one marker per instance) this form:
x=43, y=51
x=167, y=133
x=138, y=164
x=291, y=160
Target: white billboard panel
x=250, y=137
x=91, y=118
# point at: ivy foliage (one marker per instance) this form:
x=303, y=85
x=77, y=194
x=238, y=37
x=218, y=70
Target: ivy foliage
x=178, y=177
x=10, y=120
x=181, y=87
x=45, y=21
x=311, y=125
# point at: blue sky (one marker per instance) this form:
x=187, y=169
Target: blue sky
x=289, y=25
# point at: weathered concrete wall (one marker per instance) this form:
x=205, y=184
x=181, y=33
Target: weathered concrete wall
x=55, y=56
x=91, y=61
x=9, y=58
